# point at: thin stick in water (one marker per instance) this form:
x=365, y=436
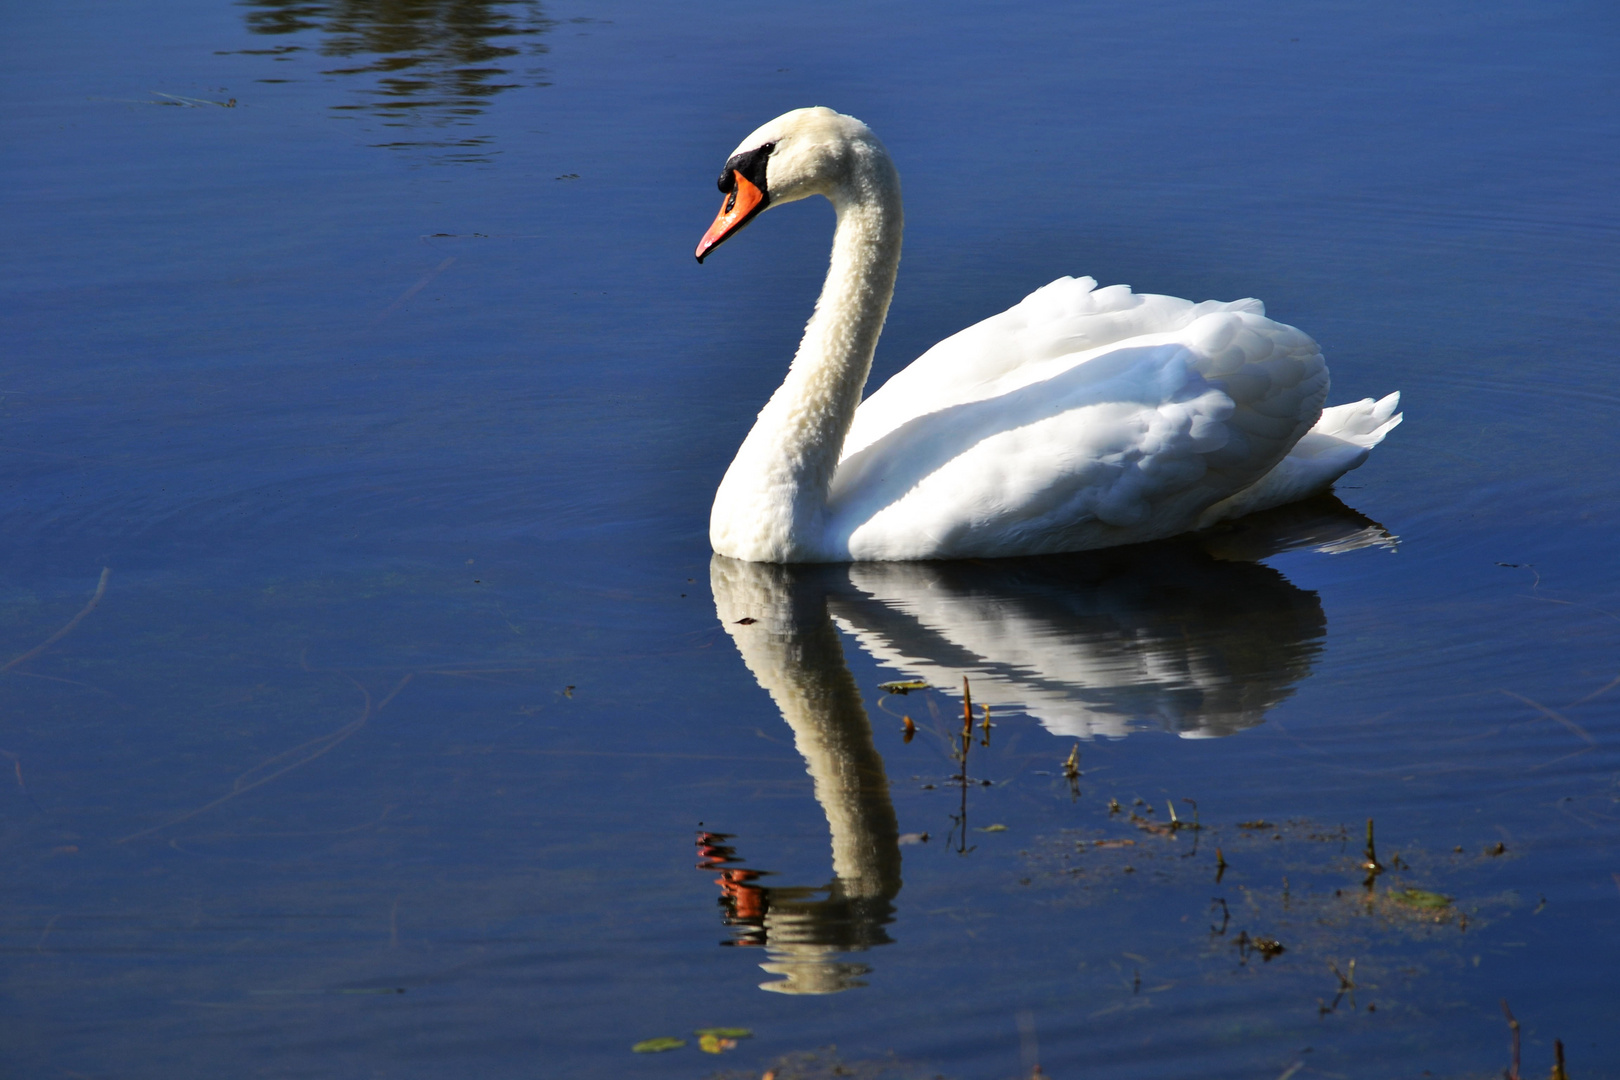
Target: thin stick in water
x=101, y=590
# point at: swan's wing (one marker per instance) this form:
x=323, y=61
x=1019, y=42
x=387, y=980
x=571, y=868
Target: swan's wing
x=1006, y=351
x=1108, y=445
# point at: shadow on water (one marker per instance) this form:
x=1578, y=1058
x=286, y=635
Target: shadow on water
x=430, y=65
x=1189, y=634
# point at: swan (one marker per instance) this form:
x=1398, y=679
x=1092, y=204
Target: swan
x=1082, y=417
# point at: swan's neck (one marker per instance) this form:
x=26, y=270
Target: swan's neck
x=771, y=506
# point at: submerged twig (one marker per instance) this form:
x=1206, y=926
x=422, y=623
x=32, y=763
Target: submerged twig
x=1370, y=861
x=1226, y=916
x=1600, y=691
x=16, y=766
x=1553, y=714
x=324, y=744
x=423, y=283
x=1513, y=1026
x=1347, y=985
x=101, y=590
x=189, y=102
x=961, y=755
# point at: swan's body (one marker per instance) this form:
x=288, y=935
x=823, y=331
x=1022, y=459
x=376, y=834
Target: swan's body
x=1079, y=418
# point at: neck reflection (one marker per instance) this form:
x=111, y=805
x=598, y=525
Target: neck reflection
x=777, y=616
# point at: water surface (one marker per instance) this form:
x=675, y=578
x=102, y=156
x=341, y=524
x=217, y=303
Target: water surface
x=362, y=406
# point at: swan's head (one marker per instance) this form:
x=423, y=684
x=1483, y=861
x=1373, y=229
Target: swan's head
x=805, y=152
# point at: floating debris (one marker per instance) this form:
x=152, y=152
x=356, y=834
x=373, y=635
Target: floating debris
x=904, y=686
x=826, y=1064
x=1166, y=828
x=719, y=1040
x=658, y=1045
x=1267, y=947
x=992, y=828
x=1297, y=895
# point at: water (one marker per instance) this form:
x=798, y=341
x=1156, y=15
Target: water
x=387, y=404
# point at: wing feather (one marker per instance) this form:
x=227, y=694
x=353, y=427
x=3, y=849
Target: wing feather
x=1081, y=417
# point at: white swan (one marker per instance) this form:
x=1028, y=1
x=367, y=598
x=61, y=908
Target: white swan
x=1079, y=418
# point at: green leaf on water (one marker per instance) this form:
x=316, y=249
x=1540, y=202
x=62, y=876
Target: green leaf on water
x=905, y=687
x=992, y=828
x=1419, y=898
x=725, y=1033
x=658, y=1045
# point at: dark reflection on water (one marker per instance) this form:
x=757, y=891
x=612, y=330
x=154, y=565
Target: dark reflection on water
x=430, y=63
x=1190, y=635
x=1088, y=644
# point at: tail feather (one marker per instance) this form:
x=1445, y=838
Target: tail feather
x=1339, y=442
x=1363, y=422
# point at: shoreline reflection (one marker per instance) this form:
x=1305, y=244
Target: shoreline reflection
x=428, y=63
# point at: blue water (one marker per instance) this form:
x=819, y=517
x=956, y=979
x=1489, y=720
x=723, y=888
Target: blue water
x=362, y=434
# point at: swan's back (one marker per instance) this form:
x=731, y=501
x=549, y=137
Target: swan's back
x=1017, y=347
x=1079, y=418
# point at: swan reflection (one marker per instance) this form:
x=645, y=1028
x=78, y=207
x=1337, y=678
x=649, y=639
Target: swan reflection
x=1189, y=635
x=1175, y=635
x=778, y=618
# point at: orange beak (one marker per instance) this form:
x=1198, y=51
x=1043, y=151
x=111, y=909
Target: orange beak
x=742, y=203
